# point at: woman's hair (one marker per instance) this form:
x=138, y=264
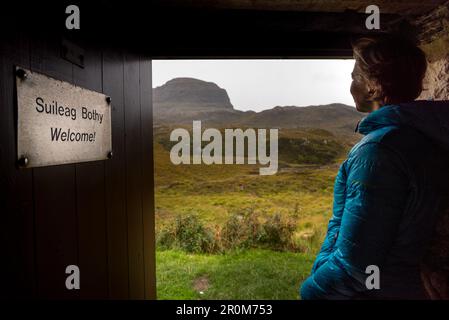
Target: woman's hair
x=392, y=67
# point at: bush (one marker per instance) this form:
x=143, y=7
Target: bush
x=187, y=233
x=240, y=231
x=278, y=232
x=244, y=231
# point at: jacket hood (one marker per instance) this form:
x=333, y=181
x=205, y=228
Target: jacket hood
x=429, y=117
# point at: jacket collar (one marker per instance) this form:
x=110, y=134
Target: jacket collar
x=385, y=116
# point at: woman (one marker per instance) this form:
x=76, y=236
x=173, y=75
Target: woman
x=390, y=190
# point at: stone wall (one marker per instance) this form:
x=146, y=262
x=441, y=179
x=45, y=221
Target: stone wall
x=434, y=40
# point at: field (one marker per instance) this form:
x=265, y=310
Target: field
x=300, y=193
x=248, y=274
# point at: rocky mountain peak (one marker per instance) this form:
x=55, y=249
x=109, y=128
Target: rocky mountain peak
x=190, y=92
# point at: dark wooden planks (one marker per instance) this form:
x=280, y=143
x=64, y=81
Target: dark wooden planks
x=16, y=187
x=146, y=104
x=133, y=143
x=97, y=215
x=117, y=223
x=54, y=194
x=90, y=192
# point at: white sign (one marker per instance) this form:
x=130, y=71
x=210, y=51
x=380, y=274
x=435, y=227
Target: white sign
x=59, y=122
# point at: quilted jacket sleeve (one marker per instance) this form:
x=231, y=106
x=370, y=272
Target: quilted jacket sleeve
x=367, y=212
x=334, y=223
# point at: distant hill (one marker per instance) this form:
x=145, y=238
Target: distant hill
x=332, y=117
x=182, y=100
x=296, y=146
x=188, y=92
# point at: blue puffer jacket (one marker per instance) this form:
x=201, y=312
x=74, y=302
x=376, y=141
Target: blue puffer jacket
x=386, y=198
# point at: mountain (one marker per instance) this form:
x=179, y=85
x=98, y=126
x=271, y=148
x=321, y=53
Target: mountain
x=189, y=92
x=331, y=117
x=182, y=100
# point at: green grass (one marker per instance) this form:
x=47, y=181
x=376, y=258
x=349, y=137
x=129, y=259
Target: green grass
x=301, y=190
x=217, y=191
x=295, y=146
x=248, y=274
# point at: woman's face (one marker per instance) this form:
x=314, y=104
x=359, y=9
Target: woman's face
x=361, y=93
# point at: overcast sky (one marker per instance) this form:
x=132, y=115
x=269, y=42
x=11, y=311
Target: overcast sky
x=263, y=84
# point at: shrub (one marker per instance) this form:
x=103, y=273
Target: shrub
x=241, y=231
x=187, y=233
x=246, y=230
x=278, y=232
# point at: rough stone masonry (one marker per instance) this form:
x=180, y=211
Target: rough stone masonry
x=434, y=40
